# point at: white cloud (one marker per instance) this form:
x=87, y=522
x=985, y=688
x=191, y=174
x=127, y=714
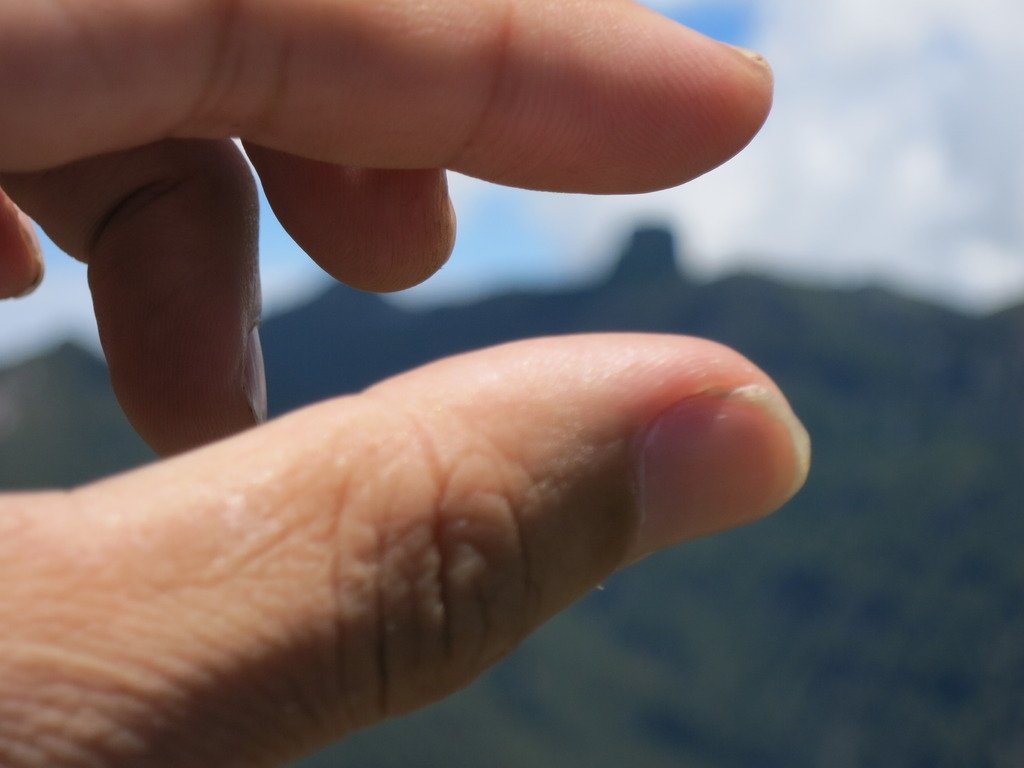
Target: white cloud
x=895, y=152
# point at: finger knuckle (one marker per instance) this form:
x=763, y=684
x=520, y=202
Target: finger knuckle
x=454, y=585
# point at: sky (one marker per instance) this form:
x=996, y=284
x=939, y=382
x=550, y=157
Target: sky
x=894, y=155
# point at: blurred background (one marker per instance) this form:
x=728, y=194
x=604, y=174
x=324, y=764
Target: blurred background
x=867, y=250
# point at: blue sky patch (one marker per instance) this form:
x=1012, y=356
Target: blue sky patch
x=731, y=22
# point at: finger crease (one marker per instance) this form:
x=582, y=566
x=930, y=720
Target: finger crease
x=499, y=70
x=248, y=79
x=428, y=450
x=383, y=668
x=136, y=200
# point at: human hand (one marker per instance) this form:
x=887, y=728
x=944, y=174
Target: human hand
x=113, y=137
x=246, y=602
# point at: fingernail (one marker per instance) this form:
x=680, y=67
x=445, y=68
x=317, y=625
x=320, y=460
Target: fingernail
x=752, y=56
x=34, y=248
x=254, y=381
x=24, y=282
x=717, y=460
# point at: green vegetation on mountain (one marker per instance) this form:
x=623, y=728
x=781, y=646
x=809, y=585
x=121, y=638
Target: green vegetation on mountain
x=59, y=423
x=878, y=620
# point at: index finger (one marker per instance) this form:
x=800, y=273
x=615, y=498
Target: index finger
x=596, y=96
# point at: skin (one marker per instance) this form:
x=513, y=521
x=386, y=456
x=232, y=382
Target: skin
x=248, y=601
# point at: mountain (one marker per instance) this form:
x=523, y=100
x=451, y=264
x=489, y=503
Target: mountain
x=54, y=412
x=877, y=621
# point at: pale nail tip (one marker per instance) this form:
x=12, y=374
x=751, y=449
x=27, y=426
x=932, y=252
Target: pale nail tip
x=802, y=451
x=259, y=411
x=255, y=382
x=764, y=398
x=753, y=56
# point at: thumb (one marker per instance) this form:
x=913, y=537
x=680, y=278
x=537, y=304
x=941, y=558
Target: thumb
x=251, y=601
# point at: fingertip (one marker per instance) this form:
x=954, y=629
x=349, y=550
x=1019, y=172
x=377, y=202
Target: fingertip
x=717, y=460
x=709, y=442
x=636, y=102
x=758, y=94
x=762, y=68
x=175, y=287
x=717, y=97
x=21, y=256
x=373, y=229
